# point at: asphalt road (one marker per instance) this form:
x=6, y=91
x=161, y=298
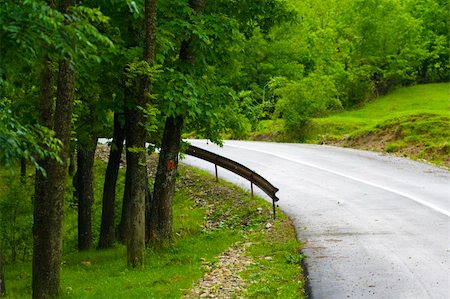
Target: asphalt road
x=374, y=226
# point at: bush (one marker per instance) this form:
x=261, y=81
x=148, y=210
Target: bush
x=16, y=219
x=299, y=101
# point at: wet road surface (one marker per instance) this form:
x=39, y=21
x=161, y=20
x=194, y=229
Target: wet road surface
x=374, y=226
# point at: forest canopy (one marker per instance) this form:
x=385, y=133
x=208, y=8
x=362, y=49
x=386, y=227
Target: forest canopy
x=263, y=59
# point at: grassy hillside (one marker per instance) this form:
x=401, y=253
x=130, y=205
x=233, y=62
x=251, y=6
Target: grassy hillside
x=411, y=121
x=416, y=100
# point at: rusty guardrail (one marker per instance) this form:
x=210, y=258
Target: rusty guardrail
x=238, y=169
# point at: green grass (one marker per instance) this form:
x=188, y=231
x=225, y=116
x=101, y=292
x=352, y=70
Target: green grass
x=277, y=258
x=415, y=100
x=411, y=122
x=103, y=274
x=232, y=216
x=268, y=130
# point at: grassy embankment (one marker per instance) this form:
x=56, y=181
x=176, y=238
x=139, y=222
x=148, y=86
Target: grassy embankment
x=411, y=122
x=209, y=218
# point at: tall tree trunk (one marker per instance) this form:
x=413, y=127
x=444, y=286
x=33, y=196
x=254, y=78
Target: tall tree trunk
x=84, y=186
x=2, y=278
x=136, y=134
x=49, y=197
x=161, y=204
x=135, y=190
x=49, y=190
x=107, y=228
x=45, y=276
x=84, y=178
x=161, y=209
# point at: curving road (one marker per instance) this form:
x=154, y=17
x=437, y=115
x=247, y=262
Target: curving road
x=374, y=226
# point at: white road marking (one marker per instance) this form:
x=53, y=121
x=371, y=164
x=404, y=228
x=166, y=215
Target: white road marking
x=412, y=197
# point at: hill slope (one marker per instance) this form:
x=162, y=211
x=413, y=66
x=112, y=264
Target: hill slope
x=411, y=121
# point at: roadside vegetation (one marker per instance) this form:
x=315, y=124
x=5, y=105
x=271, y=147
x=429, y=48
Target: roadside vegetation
x=212, y=218
x=410, y=122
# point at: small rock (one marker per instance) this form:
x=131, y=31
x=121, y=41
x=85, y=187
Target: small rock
x=269, y=225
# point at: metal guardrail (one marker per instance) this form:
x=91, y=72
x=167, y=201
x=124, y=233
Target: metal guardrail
x=238, y=169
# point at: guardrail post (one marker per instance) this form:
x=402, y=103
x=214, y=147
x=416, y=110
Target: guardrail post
x=274, y=208
x=217, y=176
x=251, y=183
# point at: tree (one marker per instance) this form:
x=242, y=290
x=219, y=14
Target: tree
x=434, y=16
x=84, y=177
x=361, y=49
x=161, y=205
x=198, y=94
x=107, y=228
x=18, y=141
x=49, y=197
x=136, y=137
x=91, y=116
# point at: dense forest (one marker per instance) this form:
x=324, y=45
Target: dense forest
x=72, y=71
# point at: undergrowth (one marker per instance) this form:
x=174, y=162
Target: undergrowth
x=208, y=218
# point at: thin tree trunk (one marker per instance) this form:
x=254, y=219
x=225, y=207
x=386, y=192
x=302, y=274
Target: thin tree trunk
x=107, y=228
x=2, y=278
x=23, y=170
x=125, y=216
x=84, y=185
x=148, y=206
x=49, y=192
x=161, y=210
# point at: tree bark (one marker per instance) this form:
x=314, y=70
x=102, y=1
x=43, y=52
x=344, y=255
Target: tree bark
x=2, y=278
x=148, y=206
x=49, y=197
x=72, y=162
x=134, y=195
x=161, y=209
x=23, y=170
x=107, y=228
x=45, y=276
x=161, y=205
x=49, y=190
x=46, y=95
x=125, y=216
x=136, y=135
x=83, y=180
x=84, y=186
